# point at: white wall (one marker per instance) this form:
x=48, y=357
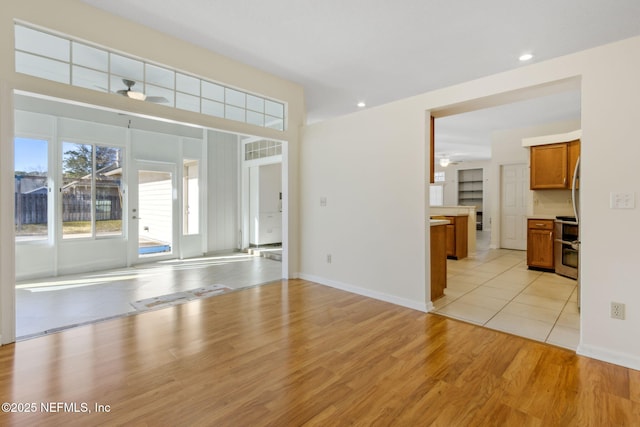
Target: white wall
x=371, y=166
x=222, y=191
x=371, y=169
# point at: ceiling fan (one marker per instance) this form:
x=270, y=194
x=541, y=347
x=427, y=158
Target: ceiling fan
x=140, y=96
x=446, y=160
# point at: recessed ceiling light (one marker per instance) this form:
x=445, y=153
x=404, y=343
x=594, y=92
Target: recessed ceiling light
x=525, y=57
x=361, y=104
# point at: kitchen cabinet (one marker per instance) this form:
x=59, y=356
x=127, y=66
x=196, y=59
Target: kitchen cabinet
x=438, y=261
x=457, y=236
x=552, y=165
x=540, y=243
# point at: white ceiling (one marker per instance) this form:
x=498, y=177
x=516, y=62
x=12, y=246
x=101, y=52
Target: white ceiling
x=377, y=51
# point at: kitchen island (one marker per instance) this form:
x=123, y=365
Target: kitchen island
x=460, y=211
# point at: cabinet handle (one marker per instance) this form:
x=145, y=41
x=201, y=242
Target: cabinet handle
x=540, y=225
x=564, y=181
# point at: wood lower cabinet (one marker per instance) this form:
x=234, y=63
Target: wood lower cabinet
x=540, y=243
x=457, y=236
x=438, y=261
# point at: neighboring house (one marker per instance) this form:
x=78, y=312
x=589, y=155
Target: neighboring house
x=357, y=184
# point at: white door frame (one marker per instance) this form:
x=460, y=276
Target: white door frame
x=170, y=167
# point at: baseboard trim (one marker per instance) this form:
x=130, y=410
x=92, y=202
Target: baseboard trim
x=424, y=307
x=617, y=358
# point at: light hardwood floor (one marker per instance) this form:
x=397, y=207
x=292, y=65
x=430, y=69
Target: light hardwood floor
x=297, y=353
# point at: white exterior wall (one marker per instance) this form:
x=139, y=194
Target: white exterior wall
x=372, y=165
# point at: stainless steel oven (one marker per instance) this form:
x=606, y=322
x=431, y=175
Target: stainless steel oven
x=567, y=245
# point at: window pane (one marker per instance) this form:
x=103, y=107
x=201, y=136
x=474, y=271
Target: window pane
x=90, y=57
x=234, y=113
x=255, y=118
x=191, y=198
x=44, y=68
x=90, y=79
x=187, y=84
x=31, y=189
x=77, y=170
x=127, y=67
x=41, y=43
x=436, y=195
x=275, y=109
x=274, y=123
x=213, y=91
x=212, y=108
x=109, y=195
x=160, y=76
x=234, y=97
x=187, y=102
x=255, y=103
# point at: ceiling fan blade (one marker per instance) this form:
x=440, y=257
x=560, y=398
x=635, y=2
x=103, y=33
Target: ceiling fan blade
x=157, y=99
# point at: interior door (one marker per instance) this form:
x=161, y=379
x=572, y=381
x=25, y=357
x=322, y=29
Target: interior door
x=513, y=218
x=153, y=212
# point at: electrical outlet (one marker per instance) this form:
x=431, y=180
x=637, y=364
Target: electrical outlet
x=328, y=258
x=617, y=310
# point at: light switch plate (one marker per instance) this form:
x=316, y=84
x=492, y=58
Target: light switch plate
x=622, y=200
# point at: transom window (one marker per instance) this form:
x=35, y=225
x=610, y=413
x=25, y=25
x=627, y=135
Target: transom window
x=64, y=60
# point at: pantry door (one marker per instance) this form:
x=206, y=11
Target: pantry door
x=513, y=218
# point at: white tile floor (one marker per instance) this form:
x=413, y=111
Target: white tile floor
x=495, y=289
x=51, y=304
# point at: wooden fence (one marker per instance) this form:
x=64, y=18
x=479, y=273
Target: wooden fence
x=31, y=208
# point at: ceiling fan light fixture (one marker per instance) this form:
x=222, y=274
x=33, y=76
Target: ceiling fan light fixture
x=136, y=95
x=525, y=57
x=444, y=162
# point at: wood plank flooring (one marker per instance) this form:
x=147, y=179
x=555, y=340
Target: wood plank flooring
x=297, y=353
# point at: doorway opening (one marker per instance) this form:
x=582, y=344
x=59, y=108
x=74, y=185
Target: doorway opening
x=155, y=212
x=494, y=286
x=128, y=208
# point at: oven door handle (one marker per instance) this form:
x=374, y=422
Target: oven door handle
x=574, y=244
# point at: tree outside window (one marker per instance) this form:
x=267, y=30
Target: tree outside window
x=91, y=191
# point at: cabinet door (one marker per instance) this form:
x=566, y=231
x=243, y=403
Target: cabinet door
x=573, y=154
x=451, y=239
x=549, y=166
x=540, y=248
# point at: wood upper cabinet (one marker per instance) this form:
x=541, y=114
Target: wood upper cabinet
x=552, y=165
x=540, y=243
